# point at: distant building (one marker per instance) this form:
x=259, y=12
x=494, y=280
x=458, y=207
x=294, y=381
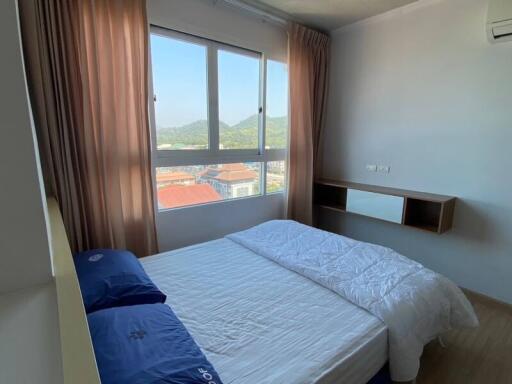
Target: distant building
x=174, y=178
x=173, y=196
x=276, y=166
x=231, y=180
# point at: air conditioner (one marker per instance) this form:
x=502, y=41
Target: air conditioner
x=499, y=21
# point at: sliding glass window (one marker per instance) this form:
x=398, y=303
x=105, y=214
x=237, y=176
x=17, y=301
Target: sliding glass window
x=219, y=121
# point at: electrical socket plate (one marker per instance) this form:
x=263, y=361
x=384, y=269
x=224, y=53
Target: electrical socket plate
x=383, y=168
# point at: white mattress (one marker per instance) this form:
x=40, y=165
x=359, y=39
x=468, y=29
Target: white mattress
x=258, y=322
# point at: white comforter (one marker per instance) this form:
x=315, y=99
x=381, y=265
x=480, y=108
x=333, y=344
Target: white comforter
x=414, y=302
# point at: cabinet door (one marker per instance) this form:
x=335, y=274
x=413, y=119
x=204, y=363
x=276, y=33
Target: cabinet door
x=384, y=207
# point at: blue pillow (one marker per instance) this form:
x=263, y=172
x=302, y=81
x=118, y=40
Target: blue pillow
x=144, y=344
x=111, y=278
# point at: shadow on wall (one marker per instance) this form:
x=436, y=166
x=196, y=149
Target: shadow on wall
x=472, y=222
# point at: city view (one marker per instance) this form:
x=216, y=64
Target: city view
x=200, y=184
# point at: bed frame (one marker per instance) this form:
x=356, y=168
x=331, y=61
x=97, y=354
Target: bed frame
x=78, y=360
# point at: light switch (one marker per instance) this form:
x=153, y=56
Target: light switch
x=371, y=167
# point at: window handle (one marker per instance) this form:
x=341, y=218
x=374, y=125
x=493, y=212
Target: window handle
x=154, y=98
x=260, y=110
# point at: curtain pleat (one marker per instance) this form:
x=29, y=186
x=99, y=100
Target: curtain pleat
x=87, y=65
x=308, y=68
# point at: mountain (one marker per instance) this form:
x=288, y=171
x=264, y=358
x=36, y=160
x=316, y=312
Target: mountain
x=241, y=135
x=277, y=132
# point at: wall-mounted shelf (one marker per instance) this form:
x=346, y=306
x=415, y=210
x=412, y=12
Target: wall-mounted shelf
x=426, y=211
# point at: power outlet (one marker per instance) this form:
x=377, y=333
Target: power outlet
x=384, y=168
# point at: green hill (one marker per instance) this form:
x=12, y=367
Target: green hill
x=241, y=135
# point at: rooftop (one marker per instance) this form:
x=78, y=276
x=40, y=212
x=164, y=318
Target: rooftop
x=230, y=173
x=173, y=176
x=173, y=196
x=237, y=175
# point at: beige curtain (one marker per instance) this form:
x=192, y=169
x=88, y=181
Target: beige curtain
x=87, y=65
x=308, y=65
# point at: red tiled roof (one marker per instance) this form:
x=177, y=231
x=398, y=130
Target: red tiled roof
x=173, y=196
x=237, y=175
x=173, y=176
x=230, y=172
x=233, y=167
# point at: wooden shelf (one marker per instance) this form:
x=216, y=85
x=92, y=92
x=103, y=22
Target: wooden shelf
x=331, y=196
x=425, y=211
x=333, y=208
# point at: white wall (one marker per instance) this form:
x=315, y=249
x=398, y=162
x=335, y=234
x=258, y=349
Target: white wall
x=181, y=227
x=24, y=248
x=29, y=330
x=422, y=90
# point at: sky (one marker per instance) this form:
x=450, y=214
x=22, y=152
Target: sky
x=180, y=84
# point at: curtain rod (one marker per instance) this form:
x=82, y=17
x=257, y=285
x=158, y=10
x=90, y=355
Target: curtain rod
x=256, y=11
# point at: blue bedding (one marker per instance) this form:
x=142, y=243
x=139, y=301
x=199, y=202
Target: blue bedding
x=147, y=344
x=113, y=278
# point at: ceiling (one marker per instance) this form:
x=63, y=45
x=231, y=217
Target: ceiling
x=332, y=14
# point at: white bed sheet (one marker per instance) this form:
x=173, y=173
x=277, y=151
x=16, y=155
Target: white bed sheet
x=258, y=322
x=415, y=303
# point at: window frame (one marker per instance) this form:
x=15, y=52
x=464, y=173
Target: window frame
x=213, y=155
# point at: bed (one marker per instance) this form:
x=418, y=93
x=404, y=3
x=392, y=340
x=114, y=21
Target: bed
x=271, y=305
x=257, y=322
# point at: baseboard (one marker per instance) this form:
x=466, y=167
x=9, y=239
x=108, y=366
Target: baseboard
x=487, y=300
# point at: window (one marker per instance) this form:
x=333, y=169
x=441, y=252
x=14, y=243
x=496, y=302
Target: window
x=239, y=100
x=219, y=121
x=200, y=184
x=276, y=180
x=276, y=132
x=179, y=80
